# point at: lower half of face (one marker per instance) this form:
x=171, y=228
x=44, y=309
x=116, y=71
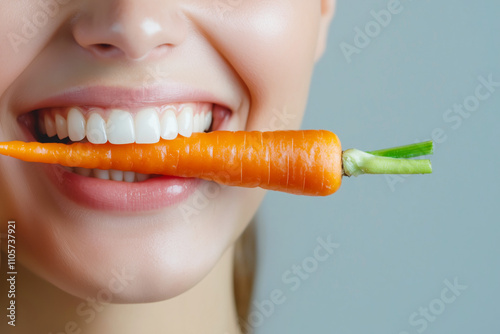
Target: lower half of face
x=242, y=67
x=82, y=249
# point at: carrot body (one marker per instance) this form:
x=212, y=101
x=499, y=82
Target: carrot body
x=307, y=162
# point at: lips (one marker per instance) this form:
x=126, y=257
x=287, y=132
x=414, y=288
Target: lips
x=120, y=190
x=94, y=193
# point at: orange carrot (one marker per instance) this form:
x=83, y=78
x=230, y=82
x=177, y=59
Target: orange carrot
x=307, y=162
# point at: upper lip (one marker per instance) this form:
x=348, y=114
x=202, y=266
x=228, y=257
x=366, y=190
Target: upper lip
x=124, y=97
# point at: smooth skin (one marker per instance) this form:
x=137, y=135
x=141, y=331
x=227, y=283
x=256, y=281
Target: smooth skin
x=257, y=56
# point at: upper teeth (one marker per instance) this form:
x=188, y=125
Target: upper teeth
x=118, y=126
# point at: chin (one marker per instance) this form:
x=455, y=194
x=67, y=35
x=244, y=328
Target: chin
x=128, y=258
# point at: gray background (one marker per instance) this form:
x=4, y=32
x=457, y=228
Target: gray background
x=399, y=243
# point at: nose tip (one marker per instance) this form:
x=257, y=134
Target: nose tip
x=128, y=28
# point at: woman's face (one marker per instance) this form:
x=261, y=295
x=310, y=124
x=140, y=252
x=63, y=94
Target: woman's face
x=125, y=70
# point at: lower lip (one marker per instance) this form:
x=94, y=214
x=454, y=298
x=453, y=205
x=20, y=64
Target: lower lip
x=152, y=194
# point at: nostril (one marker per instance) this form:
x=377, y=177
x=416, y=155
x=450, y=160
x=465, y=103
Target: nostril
x=103, y=47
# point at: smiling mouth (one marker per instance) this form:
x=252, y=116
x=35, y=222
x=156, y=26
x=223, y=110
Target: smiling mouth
x=146, y=125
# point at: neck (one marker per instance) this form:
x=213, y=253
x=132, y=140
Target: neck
x=42, y=308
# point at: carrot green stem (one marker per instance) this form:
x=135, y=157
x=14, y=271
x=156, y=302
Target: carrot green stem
x=407, y=151
x=388, y=161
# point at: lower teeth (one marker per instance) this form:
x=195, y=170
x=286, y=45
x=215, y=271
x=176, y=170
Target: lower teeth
x=114, y=175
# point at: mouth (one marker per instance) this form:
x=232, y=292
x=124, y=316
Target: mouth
x=113, y=189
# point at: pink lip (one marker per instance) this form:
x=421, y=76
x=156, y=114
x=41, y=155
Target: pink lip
x=109, y=195
x=107, y=97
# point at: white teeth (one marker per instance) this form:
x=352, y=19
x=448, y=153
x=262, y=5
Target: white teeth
x=208, y=120
x=147, y=127
x=129, y=177
x=197, y=124
x=76, y=125
x=116, y=175
x=169, y=127
x=120, y=127
x=185, y=122
x=50, y=126
x=96, y=129
x=61, y=126
x=101, y=174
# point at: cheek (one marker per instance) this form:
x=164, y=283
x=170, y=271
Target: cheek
x=25, y=28
x=271, y=45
